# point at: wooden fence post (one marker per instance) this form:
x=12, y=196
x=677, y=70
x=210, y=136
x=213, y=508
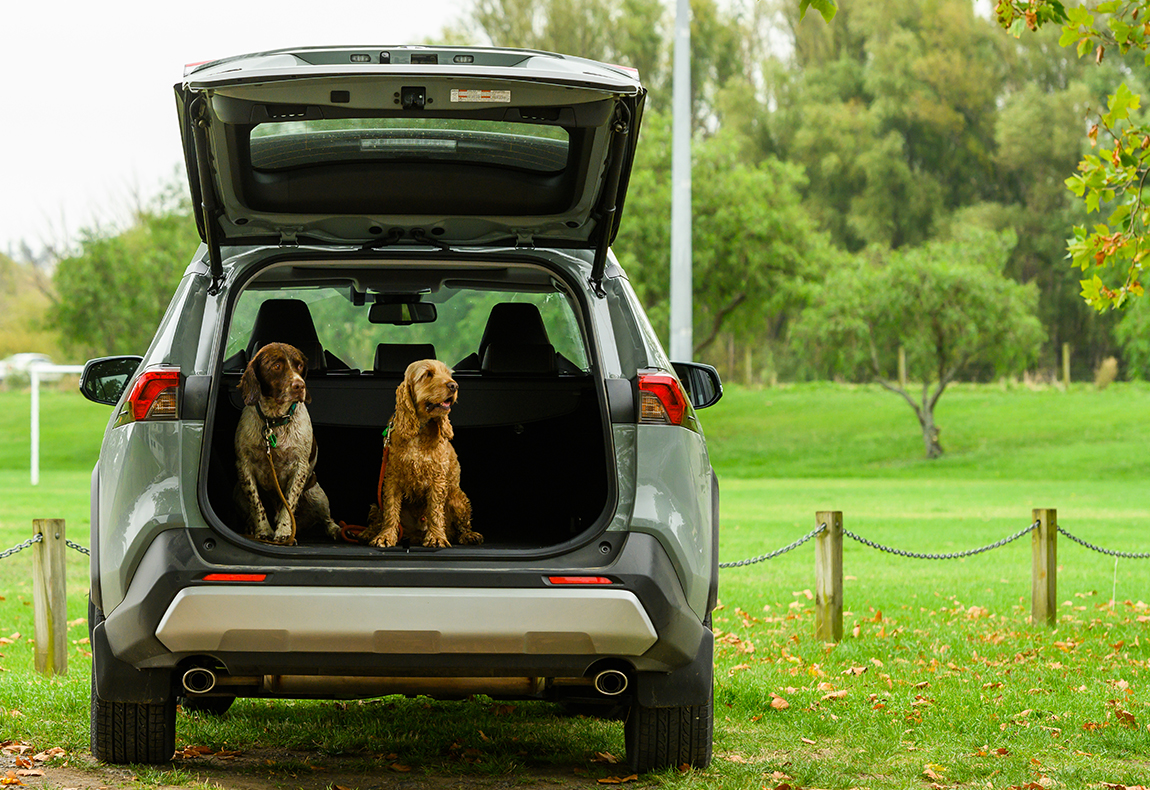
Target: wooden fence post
x=49, y=598
x=1044, y=573
x=829, y=577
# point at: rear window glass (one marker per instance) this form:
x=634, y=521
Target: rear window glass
x=527, y=146
x=344, y=331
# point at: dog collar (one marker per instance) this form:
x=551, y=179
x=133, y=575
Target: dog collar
x=270, y=423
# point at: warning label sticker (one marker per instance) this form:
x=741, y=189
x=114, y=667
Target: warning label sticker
x=475, y=95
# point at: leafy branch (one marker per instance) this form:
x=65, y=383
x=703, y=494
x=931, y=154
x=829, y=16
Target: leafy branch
x=1113, y=178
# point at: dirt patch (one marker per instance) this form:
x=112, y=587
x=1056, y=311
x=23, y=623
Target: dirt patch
x=267, y=769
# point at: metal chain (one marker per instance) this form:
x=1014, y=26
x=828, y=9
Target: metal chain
x=773, y=554
x=20, y=546
x=36, y=539
x=77, y=547
x=1125, y=554
x=953, y=556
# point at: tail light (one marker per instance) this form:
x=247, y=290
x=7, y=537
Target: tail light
x=155, y=395
x=661, y=401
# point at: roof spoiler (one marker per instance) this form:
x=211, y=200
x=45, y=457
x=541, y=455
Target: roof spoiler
x=620, y=131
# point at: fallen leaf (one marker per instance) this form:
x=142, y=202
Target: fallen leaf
x=617, y=780
x=835, y=695
x=807, y=741
x=399, y=768
x=605, y=757
x=934, y=771
x=778, y=703
x=736, y=758
x=30, y=772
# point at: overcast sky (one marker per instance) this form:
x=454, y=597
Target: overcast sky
x=88, y=117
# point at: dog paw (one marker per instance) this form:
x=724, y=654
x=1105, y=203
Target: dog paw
x=284, y=540
x=264, y=530
x=470, y=538
x=332, y=529
x=436, y=541
x=384, y=539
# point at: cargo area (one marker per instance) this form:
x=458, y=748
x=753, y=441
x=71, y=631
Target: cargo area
x=530, y=430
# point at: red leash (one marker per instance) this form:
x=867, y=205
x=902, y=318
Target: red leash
x=352, y=532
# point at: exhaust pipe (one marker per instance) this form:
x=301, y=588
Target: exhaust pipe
x=611, y=682
x=199, y=680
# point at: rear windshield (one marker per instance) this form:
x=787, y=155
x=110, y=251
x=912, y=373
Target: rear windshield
x=284, y=145
x=348, y=338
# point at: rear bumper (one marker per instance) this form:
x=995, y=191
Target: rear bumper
x=386, y=620
x=406, y=620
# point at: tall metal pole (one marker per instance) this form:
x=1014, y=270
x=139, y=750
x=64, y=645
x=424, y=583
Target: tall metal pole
x=681, y=339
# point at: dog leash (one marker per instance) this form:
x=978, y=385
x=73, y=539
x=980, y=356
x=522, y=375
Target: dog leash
x=269, y=445
x=352, y=532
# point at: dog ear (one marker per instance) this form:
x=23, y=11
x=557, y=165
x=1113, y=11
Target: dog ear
x=250, y=386
x=406, y=421
x=303, y=375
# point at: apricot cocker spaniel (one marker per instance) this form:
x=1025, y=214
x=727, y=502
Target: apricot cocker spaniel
x=421, y=498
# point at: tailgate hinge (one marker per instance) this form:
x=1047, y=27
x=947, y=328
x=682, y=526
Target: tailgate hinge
x=288, y=237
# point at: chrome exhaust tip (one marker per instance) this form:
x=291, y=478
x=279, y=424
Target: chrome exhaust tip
x=610, y=682
x=199, y=680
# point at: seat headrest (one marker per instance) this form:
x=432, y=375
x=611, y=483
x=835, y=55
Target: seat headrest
x=513, y=322
x=395, y=357
x=287, y=321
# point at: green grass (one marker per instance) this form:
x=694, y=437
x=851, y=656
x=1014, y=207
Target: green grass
x=940, y=670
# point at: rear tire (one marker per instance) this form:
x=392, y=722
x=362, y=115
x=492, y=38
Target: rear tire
x=669, y=737
x=130, y=732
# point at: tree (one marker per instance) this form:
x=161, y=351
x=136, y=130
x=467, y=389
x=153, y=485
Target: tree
x=113, y=291
x=946, y=303
x=23, y=308
x=754, y=245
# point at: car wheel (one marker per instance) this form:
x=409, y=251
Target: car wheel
x=669, y=737
x=130, y=732
x=213, y=706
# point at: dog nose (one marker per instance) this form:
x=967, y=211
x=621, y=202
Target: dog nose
x=452, y=386
x=297, y=385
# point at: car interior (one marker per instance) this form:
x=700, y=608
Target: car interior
x=529, y=427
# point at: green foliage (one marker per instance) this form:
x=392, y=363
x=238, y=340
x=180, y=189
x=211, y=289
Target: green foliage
x=946, y=303
x=114, y=290
x=25, y=300
x=1109, y=182
x=754, y=247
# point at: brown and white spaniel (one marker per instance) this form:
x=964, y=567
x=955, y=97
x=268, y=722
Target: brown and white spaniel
x=275, y=431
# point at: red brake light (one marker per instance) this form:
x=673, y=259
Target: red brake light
x=579, y=580
x=156, y=395
x=661, y=402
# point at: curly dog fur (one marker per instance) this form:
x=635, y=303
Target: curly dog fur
x=421, y=495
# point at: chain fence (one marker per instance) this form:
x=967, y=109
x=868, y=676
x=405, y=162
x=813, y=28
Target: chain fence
x=777, y=552
x=32, y=541
x=928, y=556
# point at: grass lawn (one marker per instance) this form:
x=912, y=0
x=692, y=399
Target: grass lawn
x=940, y=680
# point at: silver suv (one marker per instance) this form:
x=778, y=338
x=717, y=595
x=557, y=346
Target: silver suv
x=372, y=207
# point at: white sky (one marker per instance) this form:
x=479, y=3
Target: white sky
x=88, y=118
